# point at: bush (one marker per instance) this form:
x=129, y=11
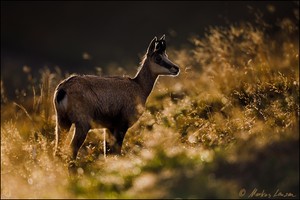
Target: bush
x=226, y=126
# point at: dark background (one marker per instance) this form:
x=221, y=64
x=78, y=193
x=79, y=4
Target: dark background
x=44, y=33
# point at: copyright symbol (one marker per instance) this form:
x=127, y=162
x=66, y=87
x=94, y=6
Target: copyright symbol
x=242, y=192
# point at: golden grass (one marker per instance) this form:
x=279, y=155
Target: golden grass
x=227, y=125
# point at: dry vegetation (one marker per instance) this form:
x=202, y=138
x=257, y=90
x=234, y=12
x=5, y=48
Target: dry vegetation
x=226, y=126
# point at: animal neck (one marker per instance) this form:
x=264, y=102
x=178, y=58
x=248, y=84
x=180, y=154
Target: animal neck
x=145, y=78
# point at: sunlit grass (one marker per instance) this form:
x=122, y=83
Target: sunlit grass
x=228, y=122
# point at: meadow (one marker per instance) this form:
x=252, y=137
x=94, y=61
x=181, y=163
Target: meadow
x=226, y=127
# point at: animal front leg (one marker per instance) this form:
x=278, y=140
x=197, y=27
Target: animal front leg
x=115, y=141
x=110, y=143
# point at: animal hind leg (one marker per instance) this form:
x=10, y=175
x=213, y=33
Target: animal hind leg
x=81, y=130
x=80, y=134
x=62, y=128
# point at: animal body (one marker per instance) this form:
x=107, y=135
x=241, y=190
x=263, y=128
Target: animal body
x=115, y=103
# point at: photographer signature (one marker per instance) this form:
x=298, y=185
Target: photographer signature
x=255, y=193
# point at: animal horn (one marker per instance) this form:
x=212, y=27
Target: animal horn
x=163, y=37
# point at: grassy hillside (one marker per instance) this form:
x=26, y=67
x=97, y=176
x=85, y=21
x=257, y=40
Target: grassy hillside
x=226, y=127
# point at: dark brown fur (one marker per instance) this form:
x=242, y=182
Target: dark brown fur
x=115, y=103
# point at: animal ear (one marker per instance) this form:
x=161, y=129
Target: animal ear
x=151, y=46
x=161, y=45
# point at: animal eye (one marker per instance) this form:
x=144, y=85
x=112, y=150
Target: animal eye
x=158, y=59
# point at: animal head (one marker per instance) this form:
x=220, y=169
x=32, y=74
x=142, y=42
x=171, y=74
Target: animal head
x=158, y=58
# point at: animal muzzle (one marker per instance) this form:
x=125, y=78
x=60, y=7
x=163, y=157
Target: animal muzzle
x=174, y=70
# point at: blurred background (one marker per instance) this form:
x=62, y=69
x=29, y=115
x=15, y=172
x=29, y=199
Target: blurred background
x=226, y=127
x=79, y=36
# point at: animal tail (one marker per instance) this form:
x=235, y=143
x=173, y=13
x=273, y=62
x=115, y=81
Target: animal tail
x=61, y=98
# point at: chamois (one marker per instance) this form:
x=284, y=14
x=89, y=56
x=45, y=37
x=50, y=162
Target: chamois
x=115, y=103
